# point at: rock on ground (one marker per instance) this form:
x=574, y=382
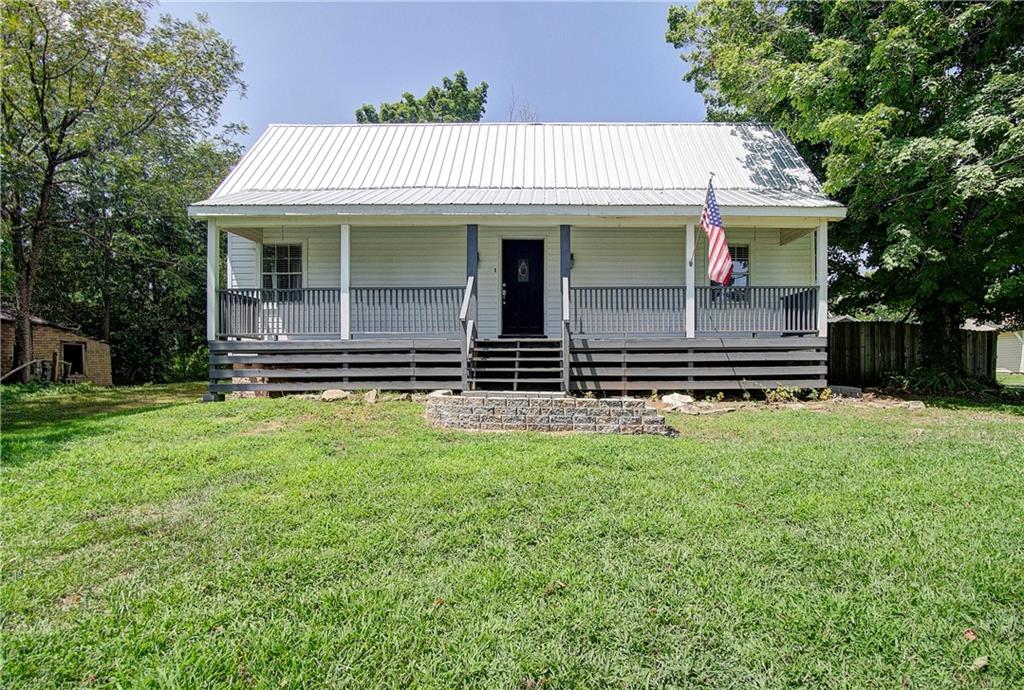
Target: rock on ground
x=676, y=400
x=371, y=396
x=334, y=394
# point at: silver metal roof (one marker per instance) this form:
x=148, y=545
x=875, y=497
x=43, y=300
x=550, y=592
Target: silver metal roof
x=433, y=167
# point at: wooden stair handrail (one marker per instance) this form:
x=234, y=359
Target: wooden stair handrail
x=466, y=298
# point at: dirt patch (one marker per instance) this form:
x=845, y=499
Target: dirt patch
x=70, y=600
x=869, y=401
x=273, y=425
x=267, y=427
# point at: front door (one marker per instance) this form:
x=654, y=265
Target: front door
x=522, y=287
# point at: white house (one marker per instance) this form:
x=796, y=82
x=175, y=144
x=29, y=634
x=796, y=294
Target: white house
x=1010, y=352
x=527, y=256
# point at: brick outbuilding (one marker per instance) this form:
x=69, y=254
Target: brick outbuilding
x=88, y=358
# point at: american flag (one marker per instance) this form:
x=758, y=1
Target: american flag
x=719, y=261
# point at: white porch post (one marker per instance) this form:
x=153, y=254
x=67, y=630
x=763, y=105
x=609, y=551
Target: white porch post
x=212, y=273
x=821, y=270
x=691, y=291
x=345, y=279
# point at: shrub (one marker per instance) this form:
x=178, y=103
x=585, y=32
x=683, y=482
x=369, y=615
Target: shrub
x=781, y=394
x=928, y=381
x=182, y=367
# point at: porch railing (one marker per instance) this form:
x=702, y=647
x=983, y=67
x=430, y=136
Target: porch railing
x=430, y=311
x=634, y=310
x=435, y=311
x=266, y=313
x=259, y=313
x=791, y=309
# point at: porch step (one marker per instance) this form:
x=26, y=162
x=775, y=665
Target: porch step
x=516, y=364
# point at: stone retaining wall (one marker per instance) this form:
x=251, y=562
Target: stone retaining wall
x=544, y=413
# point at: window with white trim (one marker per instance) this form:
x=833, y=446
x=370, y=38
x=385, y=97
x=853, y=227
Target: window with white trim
x=740, y=254
x=282, y=266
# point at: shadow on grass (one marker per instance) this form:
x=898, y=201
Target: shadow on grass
x=55, y=415
x=1006, y=404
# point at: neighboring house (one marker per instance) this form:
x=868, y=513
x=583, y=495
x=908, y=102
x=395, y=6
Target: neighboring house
x=526, y=256
x=1009, y=346
x=1010, y=352
x=84, y=359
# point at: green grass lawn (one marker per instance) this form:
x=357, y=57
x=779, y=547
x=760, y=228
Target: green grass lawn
x=149, y=541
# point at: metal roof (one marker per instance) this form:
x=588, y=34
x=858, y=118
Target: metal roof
x=433, y=166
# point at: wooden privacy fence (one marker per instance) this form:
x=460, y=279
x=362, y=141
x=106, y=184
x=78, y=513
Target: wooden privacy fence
x=863, y=353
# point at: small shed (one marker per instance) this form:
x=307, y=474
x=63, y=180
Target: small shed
x=87, y=359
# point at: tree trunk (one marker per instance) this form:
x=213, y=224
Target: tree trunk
x=27, y=249
x=22, y=328
x=22, y=304
x=105, y=293
x=941, y=340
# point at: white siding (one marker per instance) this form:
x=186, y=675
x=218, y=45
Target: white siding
x=1010, y=352
x=408, y=257
x=607, y=257
x=615, y=257
x=381, y=257
x=489, y=293
x=770, y=262
x=242, y=260
x=320, y=248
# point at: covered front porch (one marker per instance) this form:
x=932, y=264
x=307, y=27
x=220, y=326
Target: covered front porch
x=527, y=307
x=359, y=282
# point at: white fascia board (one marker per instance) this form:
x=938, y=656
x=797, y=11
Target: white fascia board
x=457, y=211
x=242, y=223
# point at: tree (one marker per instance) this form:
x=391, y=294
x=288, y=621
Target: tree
x=912, y=113
x=84, y=80
x=130, y=262
x=520, y=111
x=453, y=101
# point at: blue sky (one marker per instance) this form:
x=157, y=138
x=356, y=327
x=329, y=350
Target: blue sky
x=318, y=62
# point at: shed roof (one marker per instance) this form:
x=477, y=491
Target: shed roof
x=7, y=313
x=434, y=167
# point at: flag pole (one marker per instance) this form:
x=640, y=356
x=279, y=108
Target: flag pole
x=711, y=179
